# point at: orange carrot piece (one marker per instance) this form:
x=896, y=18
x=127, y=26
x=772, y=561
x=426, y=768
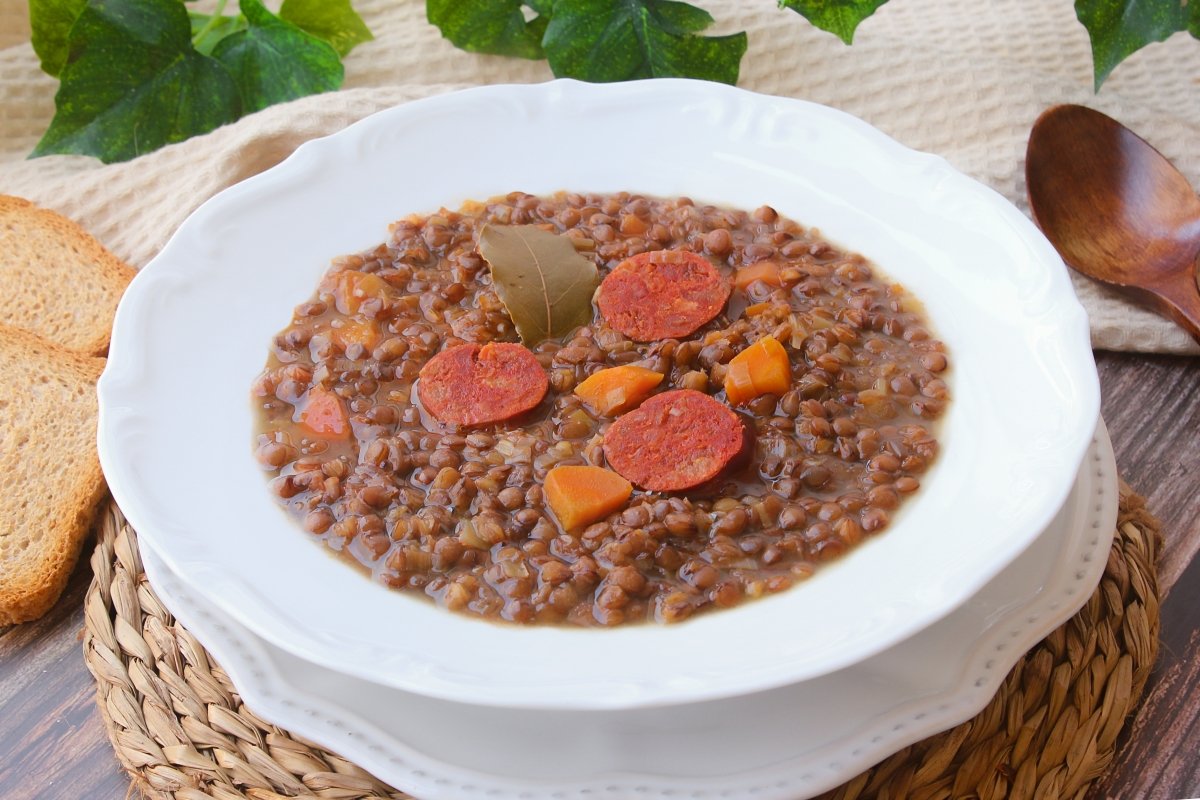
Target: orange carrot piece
x=324, y=414
x=582, y=495
x=353, y=287
x=772, y=375
x=739, y=383
x=617, y=389
x=364, y=333
x=762, y=368
x=765, y=271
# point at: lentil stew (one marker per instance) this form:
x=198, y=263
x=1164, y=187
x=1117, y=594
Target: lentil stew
x=814, y=392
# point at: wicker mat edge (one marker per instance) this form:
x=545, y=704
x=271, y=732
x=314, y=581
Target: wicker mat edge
x=180, y=730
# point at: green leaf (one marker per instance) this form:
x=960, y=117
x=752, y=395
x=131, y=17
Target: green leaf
x=840, y=17
x=208, y=31
x=545, y=285
x=617, y=40
x=1119, y=28
x=274, y=61
x=498, y=27
x=332, y=20
x=133, y=83
x=51, y=21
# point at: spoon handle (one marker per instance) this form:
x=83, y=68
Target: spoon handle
x=1179, y=298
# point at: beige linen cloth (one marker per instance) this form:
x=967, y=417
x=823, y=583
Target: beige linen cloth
x=964, y=79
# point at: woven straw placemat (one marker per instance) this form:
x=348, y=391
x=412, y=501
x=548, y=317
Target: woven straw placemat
x=181, y=731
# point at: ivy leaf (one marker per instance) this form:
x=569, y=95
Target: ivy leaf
x=133, y=82
x=1119, y=28
x=273, y=61
x=544, y=283
x=617, y=40
x=839, y=17
x=332, y=20
x=51, y=21
x=208, y=31
x=498, y=27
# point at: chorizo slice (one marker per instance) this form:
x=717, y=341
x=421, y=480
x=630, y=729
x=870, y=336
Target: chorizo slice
x=476, y=384
x=663, y=294
x=675, y=440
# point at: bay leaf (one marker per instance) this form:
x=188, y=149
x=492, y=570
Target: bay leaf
x=544, y=283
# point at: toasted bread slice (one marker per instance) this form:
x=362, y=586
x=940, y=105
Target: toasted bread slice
x=52, y=478
x=55, y=279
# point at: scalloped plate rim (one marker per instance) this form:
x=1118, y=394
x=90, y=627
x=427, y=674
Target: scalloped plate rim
x=405, y=669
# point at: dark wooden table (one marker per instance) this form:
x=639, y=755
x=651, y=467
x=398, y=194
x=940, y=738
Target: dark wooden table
x=53, y=745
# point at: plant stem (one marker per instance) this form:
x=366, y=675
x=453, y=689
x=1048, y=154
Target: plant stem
x=212, y=23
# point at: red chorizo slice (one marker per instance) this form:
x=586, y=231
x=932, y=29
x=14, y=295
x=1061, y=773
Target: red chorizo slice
x=675, y=440
x=663, y=294
x=477, y=384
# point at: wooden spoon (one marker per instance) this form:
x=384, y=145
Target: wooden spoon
x=1116, y=210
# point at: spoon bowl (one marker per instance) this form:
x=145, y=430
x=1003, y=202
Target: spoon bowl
x=1116, y=209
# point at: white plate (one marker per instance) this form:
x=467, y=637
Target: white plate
x=784, y=743
x=193, y=329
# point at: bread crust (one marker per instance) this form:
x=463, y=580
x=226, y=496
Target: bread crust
x=53, y=483
x=55, y=279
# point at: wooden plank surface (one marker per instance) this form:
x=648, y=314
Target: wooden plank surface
x=53, y=745
x=52, y=741
x=1152, y=408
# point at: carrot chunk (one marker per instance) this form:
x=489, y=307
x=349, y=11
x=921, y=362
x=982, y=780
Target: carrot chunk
x=324, y=414
x=353, y=287
x=582, y=495
x=364, y=333
x=739, y=383
x=765, y=271
x=761, y=368
x=617, y=389
x=758, y=308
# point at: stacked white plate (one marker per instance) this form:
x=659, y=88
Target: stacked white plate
x=787, y=696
